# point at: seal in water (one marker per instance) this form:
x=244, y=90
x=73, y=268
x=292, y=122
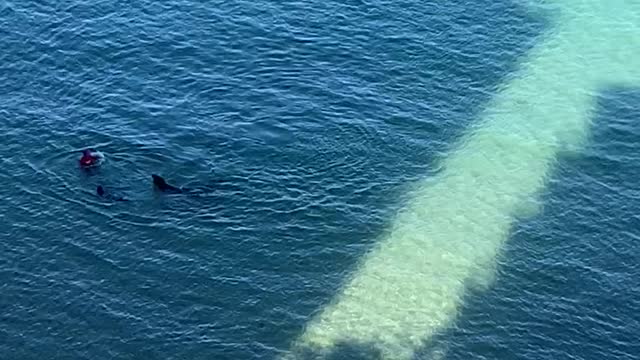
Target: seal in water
x=162, y=185
x=104, y=194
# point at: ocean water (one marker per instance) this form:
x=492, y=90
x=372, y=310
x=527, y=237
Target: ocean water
x=408, y=179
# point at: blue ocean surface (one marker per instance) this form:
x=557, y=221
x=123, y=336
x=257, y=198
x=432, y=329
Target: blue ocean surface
x=305, y=123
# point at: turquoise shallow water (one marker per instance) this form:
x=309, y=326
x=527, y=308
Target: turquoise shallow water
x=319, y=117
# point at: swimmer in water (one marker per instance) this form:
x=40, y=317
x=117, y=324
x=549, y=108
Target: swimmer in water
x=90, y=158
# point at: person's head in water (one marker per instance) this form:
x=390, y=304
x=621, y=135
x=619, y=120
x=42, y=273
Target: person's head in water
x=89, y=157
x=100, y=190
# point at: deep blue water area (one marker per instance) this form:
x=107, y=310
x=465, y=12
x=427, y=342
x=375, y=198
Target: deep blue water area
x=305, y=122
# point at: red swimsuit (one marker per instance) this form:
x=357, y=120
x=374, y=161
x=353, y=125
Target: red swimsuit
x=88, y=158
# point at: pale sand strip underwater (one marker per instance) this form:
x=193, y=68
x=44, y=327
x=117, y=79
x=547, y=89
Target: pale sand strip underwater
x=411, y=285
